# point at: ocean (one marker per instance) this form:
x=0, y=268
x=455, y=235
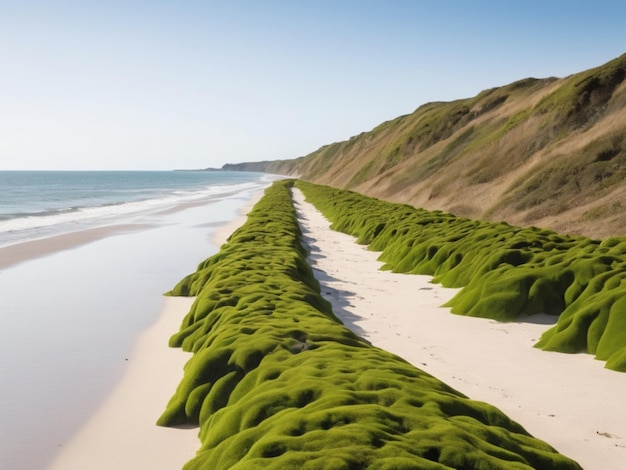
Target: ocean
x=38, y=204
x=71, y=316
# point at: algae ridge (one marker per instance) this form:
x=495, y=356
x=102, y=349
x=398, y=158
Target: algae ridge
x=277, y=382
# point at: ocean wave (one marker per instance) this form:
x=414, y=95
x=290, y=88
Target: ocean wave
x=20, y=226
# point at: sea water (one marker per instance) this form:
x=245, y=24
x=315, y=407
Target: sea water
x=68, y=320
x=37, y=204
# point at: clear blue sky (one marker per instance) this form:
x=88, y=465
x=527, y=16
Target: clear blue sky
x=123, y=84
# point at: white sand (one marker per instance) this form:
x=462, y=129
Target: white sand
x=569, y=401
x=122, y=434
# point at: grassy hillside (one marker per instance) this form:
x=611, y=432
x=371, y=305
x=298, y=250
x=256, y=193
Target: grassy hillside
x=544, y=152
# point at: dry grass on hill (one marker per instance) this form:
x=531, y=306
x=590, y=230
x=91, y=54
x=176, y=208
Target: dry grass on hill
x=545, y=152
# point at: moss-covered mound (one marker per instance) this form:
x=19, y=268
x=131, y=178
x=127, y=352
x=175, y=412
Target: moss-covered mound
x=506, y=272
x=277, y=382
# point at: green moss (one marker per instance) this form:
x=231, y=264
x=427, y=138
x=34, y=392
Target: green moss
x=506, y=272
x=277, y=382
x=617, y=360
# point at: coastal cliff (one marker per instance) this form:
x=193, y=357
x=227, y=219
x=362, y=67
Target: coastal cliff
x=545, y=152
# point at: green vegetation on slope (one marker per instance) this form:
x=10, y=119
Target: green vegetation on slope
x=583, y=97
x=506, y=272
x=277, y=382
x=600, y=165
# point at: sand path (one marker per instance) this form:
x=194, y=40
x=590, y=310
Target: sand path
x=570, y=401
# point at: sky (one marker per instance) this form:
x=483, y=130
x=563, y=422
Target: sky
x=159, y=85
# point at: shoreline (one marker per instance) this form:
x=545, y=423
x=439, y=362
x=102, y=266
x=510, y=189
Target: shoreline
x=81, y=300
x=30, y=249
x=20, y=252
x=223, y=232
x=122, y=432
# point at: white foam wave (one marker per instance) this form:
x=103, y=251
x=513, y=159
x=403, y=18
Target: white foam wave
x=36, y=226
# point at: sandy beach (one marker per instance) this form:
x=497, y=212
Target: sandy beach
x=76, y=307
x=122, y=433
x=570, y=401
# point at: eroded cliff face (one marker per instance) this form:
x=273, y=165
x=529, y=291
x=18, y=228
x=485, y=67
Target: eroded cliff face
x=545, y=152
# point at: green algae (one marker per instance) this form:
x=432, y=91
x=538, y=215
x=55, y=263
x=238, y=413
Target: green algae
x=277, y=382
x=507, y=273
